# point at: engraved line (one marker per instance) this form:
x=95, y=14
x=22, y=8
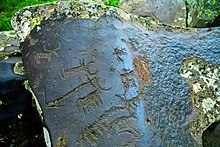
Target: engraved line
x=43, y=56
x=53, y=51
x=65, y=73
x=90, y=133
x=69, y=93
x=97, y=85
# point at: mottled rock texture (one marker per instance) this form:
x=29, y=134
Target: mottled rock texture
x=9, y=44
x=10, y=57
x=168, y=11
x=107, y=78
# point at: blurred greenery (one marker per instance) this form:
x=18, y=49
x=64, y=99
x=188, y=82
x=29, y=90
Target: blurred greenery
x=205, y=10
x=112, y=3
x=9, y=7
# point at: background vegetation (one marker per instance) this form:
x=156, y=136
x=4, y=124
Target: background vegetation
x=205, y=10
x=9, y=7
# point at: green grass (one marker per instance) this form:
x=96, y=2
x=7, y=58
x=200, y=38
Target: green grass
x=112, y=3
x=9, y=7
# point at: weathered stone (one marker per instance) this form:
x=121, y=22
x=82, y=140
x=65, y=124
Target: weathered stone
x=168, y=11
x=9, y=44
x=107, y=78
x=204, y=79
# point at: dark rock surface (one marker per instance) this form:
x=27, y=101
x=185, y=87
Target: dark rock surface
x=115, y=82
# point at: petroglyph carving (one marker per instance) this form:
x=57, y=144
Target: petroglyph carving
x=92, y=132
x=47, y=55
x=66, y=95
x=132, y=44
x=43, y=56
x=130, y=103
x=54, y=51
x=130, y=130
x=92, y=98
x=127, y=77
x=46, y=104
x=96, y=85
x=88, y=136
x=118, y=53
x=65, y=73
x=123, y=125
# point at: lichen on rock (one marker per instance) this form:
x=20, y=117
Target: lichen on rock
x=19, y=68
x=204, y=79
x=29, y=17
x=208, y=104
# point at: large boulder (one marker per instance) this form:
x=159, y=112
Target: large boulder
x=107, y=78
x=172, y=12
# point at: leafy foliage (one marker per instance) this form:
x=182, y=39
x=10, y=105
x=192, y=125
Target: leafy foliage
x=207, y=10
x=112, y=3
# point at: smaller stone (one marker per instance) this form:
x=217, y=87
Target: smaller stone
x=19, y=68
